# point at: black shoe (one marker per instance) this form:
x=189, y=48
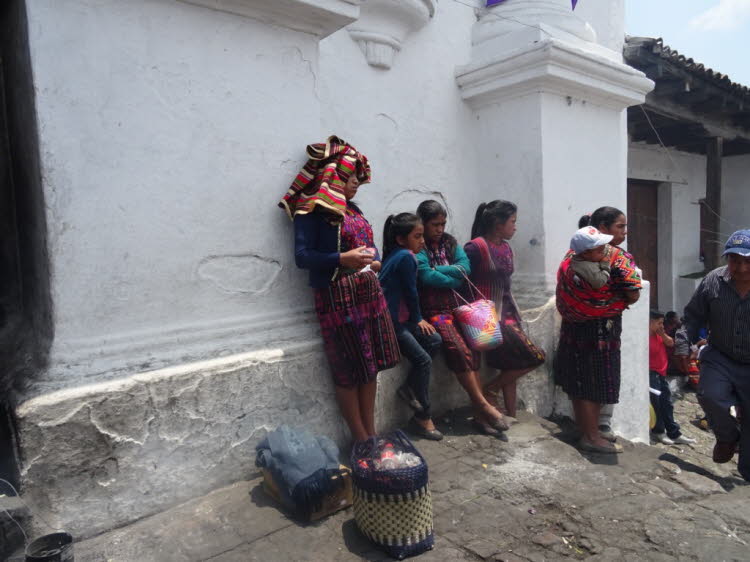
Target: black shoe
x=417, y=429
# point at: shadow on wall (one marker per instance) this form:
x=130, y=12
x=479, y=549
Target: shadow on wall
x=25, y=305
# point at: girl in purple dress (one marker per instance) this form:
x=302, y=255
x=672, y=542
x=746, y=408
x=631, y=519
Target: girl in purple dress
x=491, y=260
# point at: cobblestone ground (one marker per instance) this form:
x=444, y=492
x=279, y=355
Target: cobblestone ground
x=534, y=498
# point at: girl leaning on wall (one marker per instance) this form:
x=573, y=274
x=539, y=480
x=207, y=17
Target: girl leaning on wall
x=442, y=269
x=491, y=259
x=334, y=241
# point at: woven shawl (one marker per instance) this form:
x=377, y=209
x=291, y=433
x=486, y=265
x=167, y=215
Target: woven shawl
x=577, y=301
x=321, y=182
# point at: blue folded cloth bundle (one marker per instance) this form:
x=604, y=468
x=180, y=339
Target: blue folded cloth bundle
x=302, y=465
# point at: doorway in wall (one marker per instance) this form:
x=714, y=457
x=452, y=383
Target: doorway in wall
x=643, y=231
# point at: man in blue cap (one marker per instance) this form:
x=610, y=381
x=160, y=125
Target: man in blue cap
x=722, y=304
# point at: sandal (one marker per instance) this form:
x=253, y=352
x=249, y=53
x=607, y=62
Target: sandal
x=487, y=429
x=609, y=449
x=418, y=429
x=498, y=423
x=501, y=424
x=406, y=394
x=484, y=428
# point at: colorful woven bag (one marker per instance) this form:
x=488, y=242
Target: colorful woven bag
x=393, y=507
x=479, y=322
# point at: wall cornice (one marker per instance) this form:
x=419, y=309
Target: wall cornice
x=383, y=26
x=318, y=17
x=552, y=66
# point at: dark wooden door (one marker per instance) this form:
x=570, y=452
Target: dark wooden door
x=643, y=231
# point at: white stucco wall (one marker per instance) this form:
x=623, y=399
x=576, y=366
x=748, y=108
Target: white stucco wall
x=168, y=133
x=183, y=331
x=735, y=194
x=581, y=172
x=607, y=19
x=409, y=120
x=682, y=183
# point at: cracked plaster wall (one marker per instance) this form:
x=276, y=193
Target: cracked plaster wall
x=409, y=120
x=128, y=448
x=189, y=125
x=168, y=132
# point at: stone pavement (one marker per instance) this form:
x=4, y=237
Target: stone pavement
x=534, y=498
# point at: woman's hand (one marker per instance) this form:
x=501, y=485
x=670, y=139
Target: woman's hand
x=426, y=328
x=375, y=266
x=356, y=258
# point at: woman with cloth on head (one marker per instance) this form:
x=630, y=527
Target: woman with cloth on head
x=442, y=270
x=611, y=221
x=491, y=260
x=334, y=241
x=587, y=366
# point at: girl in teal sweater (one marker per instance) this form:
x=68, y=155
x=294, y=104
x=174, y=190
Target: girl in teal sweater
x=442, y=269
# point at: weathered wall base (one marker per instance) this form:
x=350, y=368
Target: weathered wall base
x=101, y=455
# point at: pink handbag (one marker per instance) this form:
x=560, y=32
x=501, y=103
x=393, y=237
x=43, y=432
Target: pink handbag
x=479, y=322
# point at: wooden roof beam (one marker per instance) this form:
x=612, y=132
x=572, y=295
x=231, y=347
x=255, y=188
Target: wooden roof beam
x=723, y=127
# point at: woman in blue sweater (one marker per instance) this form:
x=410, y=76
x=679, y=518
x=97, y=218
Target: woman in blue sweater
x=403, y=237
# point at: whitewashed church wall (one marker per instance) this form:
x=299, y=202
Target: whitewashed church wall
x=183, y=330
x=168, y=133
x=607, y=19
x=409, y=120
x=585, y=173
x=735, y=194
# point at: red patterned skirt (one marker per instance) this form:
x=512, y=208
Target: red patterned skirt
x=516, y=352
x=357, y=330
x=587, y=366
x=458, y=356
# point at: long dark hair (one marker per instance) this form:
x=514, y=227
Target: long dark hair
x=397, y=225
x=490, y=214
x=431, y=209
x=602, y=216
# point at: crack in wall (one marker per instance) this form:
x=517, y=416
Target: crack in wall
x=247, y=273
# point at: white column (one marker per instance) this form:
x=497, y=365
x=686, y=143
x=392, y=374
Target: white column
x=549, y=104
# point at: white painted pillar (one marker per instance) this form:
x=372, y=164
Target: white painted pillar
x=549, y=102
x=630, y=416
x=549, y=105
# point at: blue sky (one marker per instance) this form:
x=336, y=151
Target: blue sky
x=713, y=32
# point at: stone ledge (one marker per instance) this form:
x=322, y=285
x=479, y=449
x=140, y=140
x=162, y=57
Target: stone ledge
x=108, y=356
x=552, y=66
x=318, y=17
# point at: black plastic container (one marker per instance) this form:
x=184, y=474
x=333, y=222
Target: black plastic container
x=57, y=547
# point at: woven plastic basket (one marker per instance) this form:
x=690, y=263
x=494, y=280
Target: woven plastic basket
x=393, y=508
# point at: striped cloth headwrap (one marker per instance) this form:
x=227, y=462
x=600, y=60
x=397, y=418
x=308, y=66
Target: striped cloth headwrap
x=321, y=182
